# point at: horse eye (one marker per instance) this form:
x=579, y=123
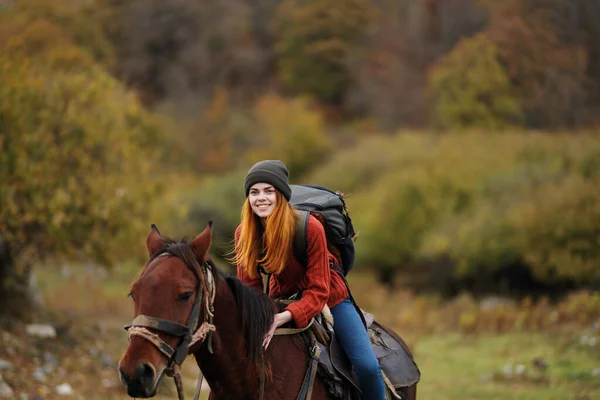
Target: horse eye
x=130, y=294
x=184, y=296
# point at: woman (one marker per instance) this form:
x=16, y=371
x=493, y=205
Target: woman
x=264, y=239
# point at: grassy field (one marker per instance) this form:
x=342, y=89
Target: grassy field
x=454, y=365
x=486, y=367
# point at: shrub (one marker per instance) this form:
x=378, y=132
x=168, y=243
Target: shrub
x=291, y=131
x=473, y=207
x=471, y=89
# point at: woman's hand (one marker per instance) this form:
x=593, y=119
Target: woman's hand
x=280, y=319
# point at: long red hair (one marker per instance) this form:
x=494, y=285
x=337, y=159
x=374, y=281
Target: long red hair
x=275, y=241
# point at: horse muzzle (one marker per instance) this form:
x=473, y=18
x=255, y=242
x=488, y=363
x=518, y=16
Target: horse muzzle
x=143, y=383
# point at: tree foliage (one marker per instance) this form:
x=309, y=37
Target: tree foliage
x=77, y=25
x=478, y=204
x=75, y=159
x=313, y=41
x=547, y=51
x=182, y=50
x=292, y=131
x=471, y=89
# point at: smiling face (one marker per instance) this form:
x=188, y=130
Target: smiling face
x=263, y=199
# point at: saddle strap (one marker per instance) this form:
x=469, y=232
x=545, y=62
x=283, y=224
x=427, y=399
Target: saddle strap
x=292, y=331
x=309, y=378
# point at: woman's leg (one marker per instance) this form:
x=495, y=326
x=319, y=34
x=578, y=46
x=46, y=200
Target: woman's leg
x=353, y=337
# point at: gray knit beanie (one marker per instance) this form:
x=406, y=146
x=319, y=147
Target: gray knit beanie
x=273, y=172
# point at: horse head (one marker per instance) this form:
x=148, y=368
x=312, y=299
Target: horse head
x=171, y=300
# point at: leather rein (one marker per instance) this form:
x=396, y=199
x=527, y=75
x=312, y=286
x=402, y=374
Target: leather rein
x=189, y=335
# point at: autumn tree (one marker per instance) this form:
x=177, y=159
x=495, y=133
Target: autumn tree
x=547, y=54
x=389, y=67
x=182, y=50
x=76, y=156
x=292, y=131
x=313, y=41
x=471, y=89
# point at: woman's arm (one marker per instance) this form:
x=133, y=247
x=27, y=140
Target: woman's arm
x=279, y=319
x=317, y=279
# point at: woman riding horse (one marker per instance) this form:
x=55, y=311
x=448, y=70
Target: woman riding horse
x=264, y=240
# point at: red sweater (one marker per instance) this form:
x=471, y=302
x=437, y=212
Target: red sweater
x=318, y=283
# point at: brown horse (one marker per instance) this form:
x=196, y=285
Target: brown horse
x=184, y=305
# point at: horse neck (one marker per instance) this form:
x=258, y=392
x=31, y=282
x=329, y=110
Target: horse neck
x=224, y=369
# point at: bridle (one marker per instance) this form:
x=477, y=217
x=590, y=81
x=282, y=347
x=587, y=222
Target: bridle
x=188, y=335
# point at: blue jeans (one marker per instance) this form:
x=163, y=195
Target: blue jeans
x=353, y=337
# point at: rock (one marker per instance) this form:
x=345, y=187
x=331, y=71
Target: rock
x=43, y=331
x=596, y=372
x=520, y=369
x=5, y=391
x=50, y=358
x=34, y=292
x=64, y=390
x=39, y=375
x=93, y=352
x=48, y=369
x=5, y=365
x=508, y=370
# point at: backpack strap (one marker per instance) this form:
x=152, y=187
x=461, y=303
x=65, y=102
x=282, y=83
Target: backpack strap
x=300, y=240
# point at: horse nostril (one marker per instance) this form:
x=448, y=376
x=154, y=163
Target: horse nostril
x=145, y=374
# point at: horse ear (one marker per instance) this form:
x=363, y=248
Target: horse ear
x=153, y=242
x=201, y=243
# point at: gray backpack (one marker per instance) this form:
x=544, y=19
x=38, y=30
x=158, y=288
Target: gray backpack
x=330, y=209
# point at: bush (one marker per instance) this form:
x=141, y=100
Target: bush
x=471, y=89
x=291, y=131
x=473, y=206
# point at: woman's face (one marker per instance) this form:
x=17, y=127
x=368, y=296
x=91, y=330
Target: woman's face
x=263, y=199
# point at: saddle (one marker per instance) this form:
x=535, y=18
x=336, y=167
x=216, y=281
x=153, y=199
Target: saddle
x=397, y=364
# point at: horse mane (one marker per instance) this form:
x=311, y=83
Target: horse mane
x=258, y=312
x=256, y=308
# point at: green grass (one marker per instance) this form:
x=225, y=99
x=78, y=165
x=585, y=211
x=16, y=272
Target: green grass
x=457, y=367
